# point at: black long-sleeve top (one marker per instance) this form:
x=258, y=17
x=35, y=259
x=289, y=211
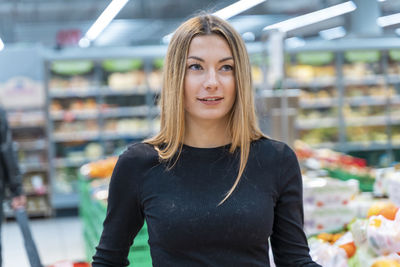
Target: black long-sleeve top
x=186, y=226
x=10, y=175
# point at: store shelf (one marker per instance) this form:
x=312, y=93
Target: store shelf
x=307, y=124
x=70, y=115
x=318, y=103
x=141, y=111
x=70, y=162
x=291, y=83
x=77, y=136
x=352, y=101
x=114, y=135
x=393, y=79
x=94, y=111
x=35, y=193
x=366, y=100
x=33, y=166
x=107, y=91
x=32, y=145
x=365, y=80
x=29, y=126
x=73, y=92
x=369, y=121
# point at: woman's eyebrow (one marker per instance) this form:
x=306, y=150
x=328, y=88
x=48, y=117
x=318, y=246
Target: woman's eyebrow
x=197, y=58
x=202, y=60
x=225, y=59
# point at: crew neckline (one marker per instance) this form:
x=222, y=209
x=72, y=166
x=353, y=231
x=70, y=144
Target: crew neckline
x=207, y=148
x=209, y=152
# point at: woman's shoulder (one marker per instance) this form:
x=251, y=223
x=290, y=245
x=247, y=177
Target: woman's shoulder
x=271, y=146
x=140, y=154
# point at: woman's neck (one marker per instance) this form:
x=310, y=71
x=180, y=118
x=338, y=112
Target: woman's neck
x=207, y=134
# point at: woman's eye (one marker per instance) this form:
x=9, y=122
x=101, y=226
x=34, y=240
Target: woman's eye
x=195, y=67
x=227, y=68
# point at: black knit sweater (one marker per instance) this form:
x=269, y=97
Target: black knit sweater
x=186, y=226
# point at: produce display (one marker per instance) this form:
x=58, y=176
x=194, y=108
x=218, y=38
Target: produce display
x=337, y=165
x=327, y=203
x=347, y=228
x=365, y=242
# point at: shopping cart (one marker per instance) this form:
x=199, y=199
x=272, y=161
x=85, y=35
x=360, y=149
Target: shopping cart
x=30, y=246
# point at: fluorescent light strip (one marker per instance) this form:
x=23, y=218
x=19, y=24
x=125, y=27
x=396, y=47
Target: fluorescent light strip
x=333, y=33
x=226, y=12
x=313, y=17
x=1, y=45
x=388, y=20
x=236, y=8
x=105, y=18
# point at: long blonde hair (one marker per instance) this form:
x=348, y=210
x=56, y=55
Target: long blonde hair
x=242, y=121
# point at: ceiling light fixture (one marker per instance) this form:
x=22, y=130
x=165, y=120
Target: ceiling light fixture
x=388, y=20
x=1, y=45
x=102, y=21
x=313, y=17
x=226, y=13
x=236, y=8
x=333, y=33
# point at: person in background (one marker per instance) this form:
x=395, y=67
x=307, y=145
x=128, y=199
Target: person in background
x=10, y=176
x=211, y=186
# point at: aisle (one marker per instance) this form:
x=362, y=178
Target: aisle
x=57, y=239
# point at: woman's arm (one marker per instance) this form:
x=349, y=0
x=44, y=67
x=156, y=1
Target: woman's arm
x=124, y=214
x=288, y=241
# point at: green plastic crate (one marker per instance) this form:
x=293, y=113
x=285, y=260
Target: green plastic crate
x=93, y=213
x=366, y=182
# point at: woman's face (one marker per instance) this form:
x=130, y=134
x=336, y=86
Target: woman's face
x=209, y=80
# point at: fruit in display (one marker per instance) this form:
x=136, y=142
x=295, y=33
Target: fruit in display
x=386, y=263
x=350, y=249
x=386, y=209
x=100, y=169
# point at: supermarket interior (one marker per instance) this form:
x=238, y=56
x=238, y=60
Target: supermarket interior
x=326, y=80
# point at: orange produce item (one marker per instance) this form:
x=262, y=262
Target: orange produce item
x=389, y=212
x=386, y=263
x=102, y=168
x=350, y=249
x=386, y=209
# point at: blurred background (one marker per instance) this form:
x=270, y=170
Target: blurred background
x=80, y=80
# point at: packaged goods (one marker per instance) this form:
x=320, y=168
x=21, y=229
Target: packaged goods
x=326, y=254
x=326, y=203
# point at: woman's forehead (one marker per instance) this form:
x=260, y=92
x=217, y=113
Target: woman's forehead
x=209, y=45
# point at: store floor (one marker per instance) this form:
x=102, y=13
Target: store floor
x=57, y=239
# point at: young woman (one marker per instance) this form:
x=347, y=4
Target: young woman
x=211, y=187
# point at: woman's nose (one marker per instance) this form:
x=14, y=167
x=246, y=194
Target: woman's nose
x=211, y=80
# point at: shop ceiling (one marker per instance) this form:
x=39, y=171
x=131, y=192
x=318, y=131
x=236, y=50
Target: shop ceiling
x=144, y=22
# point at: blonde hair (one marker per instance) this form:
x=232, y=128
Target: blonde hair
x=242, y=121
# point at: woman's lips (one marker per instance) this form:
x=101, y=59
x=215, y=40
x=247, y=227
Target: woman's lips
x=210, y=100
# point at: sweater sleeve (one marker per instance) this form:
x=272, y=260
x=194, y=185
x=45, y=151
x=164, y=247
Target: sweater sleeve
x=288, y=241
x=8, y=158
x=124, y=216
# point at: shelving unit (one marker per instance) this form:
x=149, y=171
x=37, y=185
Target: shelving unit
x=29, y=134
x=349, y=97
x=97, y=104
